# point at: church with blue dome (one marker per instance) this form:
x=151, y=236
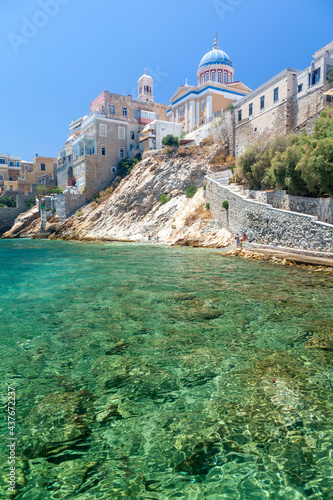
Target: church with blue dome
x=216, y=89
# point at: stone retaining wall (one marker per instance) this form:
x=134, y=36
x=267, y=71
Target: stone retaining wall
x=9, y=214
x=265, y=224
x=322, y=208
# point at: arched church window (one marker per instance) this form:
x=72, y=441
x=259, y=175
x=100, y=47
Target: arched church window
x=225, y=77
x=202, y=78
x=213, y=76
x=230, y=77
x=219, y=76
x=207, y=76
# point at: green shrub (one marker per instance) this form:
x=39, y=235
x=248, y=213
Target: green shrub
x=7, y=201
x=170, y=140
x=30, y=202
x=190, y=191
x=300, y=164
x=208, y=206
x=164, y=199
x=54, y=190
x=204, y=187
x=225, y=205
x=79, y=213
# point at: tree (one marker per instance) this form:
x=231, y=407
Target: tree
x=300, y=164
x=170, y=140
x=41, y=188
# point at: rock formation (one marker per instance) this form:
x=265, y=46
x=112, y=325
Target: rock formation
x=133, y=211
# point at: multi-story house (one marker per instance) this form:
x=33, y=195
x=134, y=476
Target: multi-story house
x=287, y=102
x=20, y=175
x=10, y=169
x=152, y=135
x=98, y=142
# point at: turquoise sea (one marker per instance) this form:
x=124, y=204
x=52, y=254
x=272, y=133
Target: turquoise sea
x=146, y=372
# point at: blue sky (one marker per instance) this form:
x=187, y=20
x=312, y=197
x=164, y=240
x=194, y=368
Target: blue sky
x=52, y=71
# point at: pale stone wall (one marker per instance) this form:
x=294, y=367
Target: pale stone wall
x=67, y=204
x=266, y=225
x=9, y=214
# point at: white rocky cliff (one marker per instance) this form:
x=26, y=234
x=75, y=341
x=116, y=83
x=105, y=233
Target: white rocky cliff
x=133, y=210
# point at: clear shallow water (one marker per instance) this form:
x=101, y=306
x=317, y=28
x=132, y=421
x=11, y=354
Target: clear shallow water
x=145, y=372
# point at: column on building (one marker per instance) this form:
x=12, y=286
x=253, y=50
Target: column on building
x=177, y=120
x=209, y=106
x=192, y=115
x=198, y=113
x=186, y=117
x=173, y=117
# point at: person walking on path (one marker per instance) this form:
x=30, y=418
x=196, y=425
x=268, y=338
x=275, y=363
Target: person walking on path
x=238, y=244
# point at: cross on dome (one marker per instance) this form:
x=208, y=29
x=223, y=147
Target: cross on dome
x=215, y=45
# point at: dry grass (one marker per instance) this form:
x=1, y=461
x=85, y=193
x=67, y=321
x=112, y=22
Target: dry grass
x=104, y=195
x=201, y=213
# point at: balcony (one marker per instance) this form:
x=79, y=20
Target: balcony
x=146, y=117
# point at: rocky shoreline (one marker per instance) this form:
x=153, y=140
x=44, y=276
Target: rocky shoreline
x=284, y=258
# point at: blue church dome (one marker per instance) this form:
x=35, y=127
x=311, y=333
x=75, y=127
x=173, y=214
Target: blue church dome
x=215, y=56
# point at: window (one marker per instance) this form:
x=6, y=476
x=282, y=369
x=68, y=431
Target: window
x=226, y=77
x=219, y=77
x=213, y=76
x=113, y=170
x=11, y=187
x=314, y=77
x=276, y=94
x=240, y=115
x=82, y=169
x=202, y=79
x=124, y=111
x=181, y=113
x=328, y=98
x=262, y=102
x=121, y=132
x=136, y=114
x=132, y=136
x=102, y=130
x=11, y=164
x=1, y=177
x=2, y=160
x=203, y=105
x=132, y=146
x=122, y=153
x=300, y=88
x=17, y=163
x=112, y=109
x=42, y=167
x=250, y=109
x=207, y=76
x=103, y=151
x=27, y=168
x=10, y=177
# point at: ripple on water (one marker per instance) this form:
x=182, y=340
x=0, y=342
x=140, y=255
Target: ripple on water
x=151, y=372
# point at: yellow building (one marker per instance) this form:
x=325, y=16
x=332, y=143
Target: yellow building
x=216, y=89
